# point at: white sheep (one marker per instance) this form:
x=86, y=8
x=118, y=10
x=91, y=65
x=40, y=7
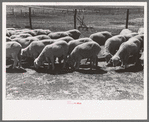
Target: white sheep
x=141, y=30
x=57, y=49
x=66, y=39
x=88, y=50
x=25, y=41
x=129, y=35
x=22, y=35
x=100, y=37
x=35, y=48
x=41, y=32
x=112, y=45
x=72, y=44
x=74, y=33
x=42, y=37
x=125, y=31
x=57, y=35
x=13, y=50
x=127, y=49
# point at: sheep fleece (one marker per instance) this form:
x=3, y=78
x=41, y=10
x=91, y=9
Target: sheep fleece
x=101, y=37
x=57, y=49
x=13, y=50
x=72, y=44
x=85, y=50
x=131, y=47
x=112, y=45
x=35, y=48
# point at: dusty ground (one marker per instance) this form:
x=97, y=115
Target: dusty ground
x=102, y=83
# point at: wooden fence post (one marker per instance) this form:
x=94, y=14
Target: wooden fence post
x=30, y=21
x=75, y=16
x=127, y=18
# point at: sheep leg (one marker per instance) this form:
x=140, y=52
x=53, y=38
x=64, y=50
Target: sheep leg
x=136, y=59
x=19, y=63
x=96, y=60
x=65, y=58
x=77, y=64
x=14, y=64
x=52, y=62
x=91, y=64
x=19, y=58
x=125, y=65
x=125, y=62
x=49, y=63
x=15, y=61
x=60, y=59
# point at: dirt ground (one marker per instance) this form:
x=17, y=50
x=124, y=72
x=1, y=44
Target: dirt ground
x=101, y=83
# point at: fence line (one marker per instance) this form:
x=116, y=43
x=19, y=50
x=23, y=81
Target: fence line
x=77, y=16
x=82, y=25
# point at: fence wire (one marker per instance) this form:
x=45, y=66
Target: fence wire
x=56, y=18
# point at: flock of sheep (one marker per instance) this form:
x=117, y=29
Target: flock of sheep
x=45, y=46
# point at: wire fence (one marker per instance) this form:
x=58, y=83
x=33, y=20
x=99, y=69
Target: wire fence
x=57, y=18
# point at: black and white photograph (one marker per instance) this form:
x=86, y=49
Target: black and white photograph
x=74, y=53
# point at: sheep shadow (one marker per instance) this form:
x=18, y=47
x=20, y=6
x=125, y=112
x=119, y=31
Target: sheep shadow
x=16, y=70
x=131, y=68
x=85, y=69
x=28, y=65
x=58, y=70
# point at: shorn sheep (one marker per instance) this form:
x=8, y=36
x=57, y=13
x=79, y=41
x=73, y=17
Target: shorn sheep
x=72, y=44
x=130, y=48
x=112, y=45
x=13, y=50
x=50, y=52
x=35, y=48
x=87, y=50
x=100, y=37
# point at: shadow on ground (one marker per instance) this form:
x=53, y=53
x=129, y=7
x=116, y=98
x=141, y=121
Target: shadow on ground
x=28, y=65
x=131, y=68
x=85, y=69
x=16, y=70
x=58, y=70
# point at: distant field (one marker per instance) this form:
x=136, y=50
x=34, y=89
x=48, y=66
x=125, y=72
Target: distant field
x=100, y=18
x=101, y=83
